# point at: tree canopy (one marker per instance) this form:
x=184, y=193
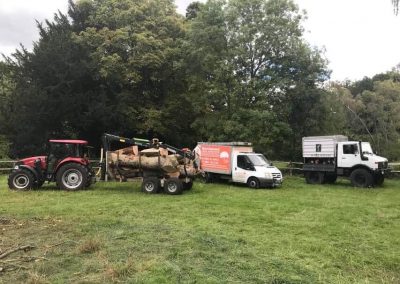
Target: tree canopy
x=228, y=71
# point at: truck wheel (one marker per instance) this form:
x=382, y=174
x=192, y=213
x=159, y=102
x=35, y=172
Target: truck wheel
x=315, y=177
x=253, y=183
x=188, y=185
x=72, y=177
x=361, y=178
x=173, y=186
x=330, y=178
x=379, y=179
x=151, y=185
x=21, y=180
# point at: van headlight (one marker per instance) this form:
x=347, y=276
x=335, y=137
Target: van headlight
x=268, y=175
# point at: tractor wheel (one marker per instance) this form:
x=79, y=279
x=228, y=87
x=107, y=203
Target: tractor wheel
x=151, y=185
x=21, y=180
x=253, y=183
x=188, y=185
x=173, y=186
x=314, y=177
x=379, y=179
x=72, y=177
x=361, y=178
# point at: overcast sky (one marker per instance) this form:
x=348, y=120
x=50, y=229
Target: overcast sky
x=361, y=37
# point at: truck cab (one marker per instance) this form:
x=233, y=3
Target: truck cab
x=326, y=157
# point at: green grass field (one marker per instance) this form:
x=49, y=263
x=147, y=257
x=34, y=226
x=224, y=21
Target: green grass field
x=213, y=234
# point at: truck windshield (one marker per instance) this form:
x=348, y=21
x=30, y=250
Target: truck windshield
x=366, y=148
x=258, y=160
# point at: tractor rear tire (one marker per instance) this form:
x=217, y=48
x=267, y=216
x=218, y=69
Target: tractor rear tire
x=315, y=177
x=21, y=179
x=361, y=178
x=173, y=186
x=72, y=177
x=151, y=185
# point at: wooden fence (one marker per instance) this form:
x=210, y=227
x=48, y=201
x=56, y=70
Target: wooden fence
x=288, y=168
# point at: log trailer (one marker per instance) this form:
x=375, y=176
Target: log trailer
x=327, y=157
x=161, y=166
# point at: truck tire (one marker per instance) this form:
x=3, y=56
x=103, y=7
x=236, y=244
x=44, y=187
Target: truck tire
x=330, y=178
x=173, y=186
x=72, y=177
x=151, y=185
x=379, y=179
x=253, y=183
x=315, y=177
x=21, y=179
x=361, y=178
x=188, y=185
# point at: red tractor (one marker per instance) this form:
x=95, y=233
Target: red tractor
x=66, y=163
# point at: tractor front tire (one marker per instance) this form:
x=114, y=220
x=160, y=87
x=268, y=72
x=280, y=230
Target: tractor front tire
x=72, y=177
x=151, y=185
x=173, y=186
x=361, y=178
x=21, y=179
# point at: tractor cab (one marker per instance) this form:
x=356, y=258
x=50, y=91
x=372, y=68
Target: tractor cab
x=66, y=163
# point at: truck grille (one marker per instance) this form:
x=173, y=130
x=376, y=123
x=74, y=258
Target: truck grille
x=276, y=175
x=382, y=165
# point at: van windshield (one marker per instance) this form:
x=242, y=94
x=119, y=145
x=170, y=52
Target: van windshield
x=258, y=160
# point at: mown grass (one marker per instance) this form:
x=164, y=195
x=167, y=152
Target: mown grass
x=213, y=234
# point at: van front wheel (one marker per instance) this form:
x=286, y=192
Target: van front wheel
x=253, y=183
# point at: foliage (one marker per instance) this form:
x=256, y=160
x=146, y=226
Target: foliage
x=231, y=70
x=373, y=107
x=247, y=65
x=215, y=233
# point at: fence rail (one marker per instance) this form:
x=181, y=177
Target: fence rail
x=287, y=167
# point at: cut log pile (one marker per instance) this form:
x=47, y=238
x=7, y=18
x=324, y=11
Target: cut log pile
x=130, y=162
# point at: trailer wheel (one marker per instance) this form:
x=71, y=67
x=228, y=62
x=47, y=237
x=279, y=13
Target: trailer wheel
x=361, y=178
x=314, y=177
x=21, y=180
x=151, y=185
x=379, y=179
x=188, y=185
x=72, y=176
x=253, y=183
x=173, y=186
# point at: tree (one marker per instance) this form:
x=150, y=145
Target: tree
x=246, y=61
x=396, y=6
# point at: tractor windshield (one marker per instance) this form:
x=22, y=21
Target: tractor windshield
x=63, y=150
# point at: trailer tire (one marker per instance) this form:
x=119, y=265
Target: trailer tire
x=21, y=179
x=173, y=186
x=188, y=185
x=151, y=185
x=379, y=179
x=315, y=177
x=253, y=183
x=361, y=178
